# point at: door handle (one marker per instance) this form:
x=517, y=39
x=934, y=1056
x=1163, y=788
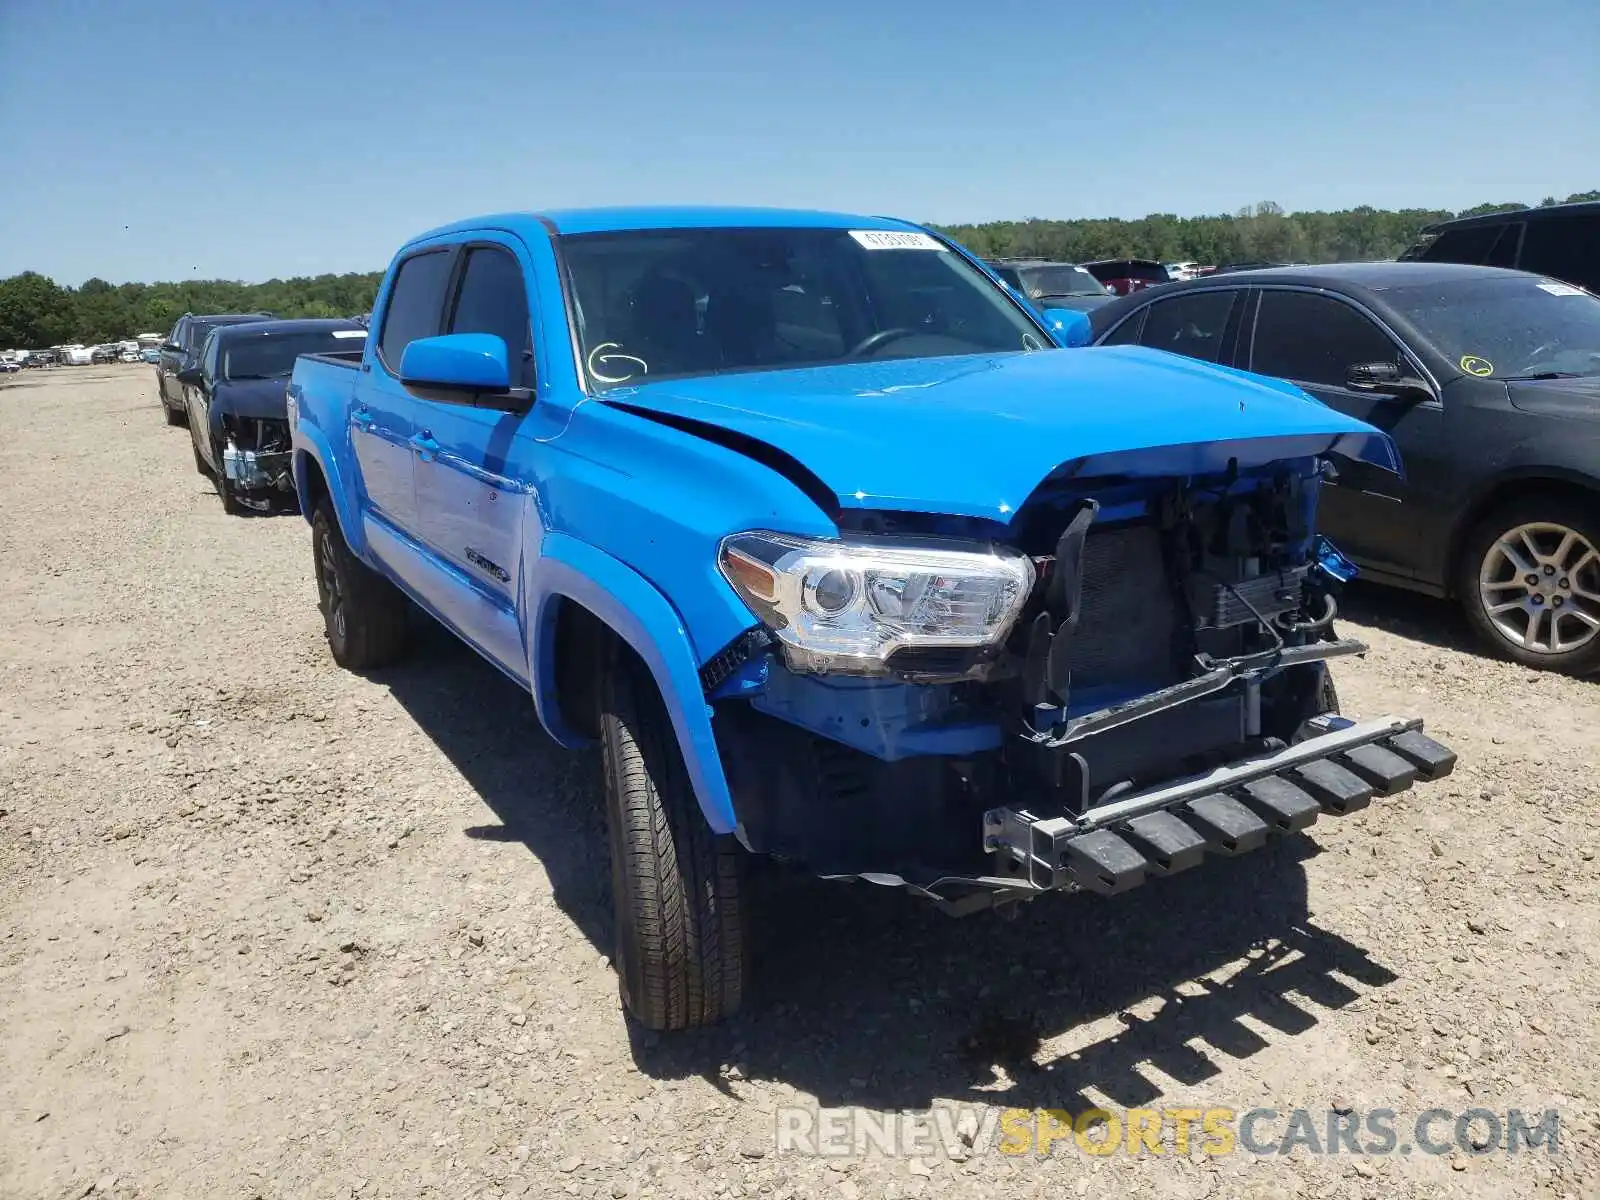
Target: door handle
x=363, y=419
x=425, y=445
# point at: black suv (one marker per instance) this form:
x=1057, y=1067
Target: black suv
x=1048, y=284
x=182, y=350
x=1559, y=240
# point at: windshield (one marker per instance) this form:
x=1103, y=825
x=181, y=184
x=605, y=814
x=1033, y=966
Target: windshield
x=674, y=302
x=272, y=355
x=1510, y=327
x=1039, y=282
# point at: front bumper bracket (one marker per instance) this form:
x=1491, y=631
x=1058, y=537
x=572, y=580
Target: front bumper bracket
x=1228, y=811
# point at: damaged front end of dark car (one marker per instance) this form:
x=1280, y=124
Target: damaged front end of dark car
x=1126, y=674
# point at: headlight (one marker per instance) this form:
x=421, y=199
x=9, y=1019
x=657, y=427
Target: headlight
x=847, y=606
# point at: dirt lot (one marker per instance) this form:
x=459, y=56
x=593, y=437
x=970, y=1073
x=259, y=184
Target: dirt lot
x=272, y=930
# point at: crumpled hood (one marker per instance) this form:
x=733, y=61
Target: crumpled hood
x=1578, y=399
x=975, y=435
x=250, y=398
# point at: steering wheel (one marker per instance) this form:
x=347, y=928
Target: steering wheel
x=875, y=341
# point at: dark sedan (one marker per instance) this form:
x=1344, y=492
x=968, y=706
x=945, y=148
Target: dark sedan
x=1488, y=380
x=238, y=413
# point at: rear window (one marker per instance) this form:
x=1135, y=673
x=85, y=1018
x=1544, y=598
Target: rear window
x=1469, y=245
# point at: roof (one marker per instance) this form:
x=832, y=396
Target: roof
x=233, y=318
x=250, y=329
x=1374, y=276
x=1543, y=212
x=612, y=220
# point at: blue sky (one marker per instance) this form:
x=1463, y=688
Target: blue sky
x=236, y=139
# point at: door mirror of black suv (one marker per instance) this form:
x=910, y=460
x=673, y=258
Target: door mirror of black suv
x=190, y=376
x=1386, y=379
x=172, y=347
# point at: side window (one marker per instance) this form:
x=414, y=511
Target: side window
x=178, y=331
x=416, y=300
x=1191, y=325
x=493, y=298
x=1566, y=249
x=1127, y=333
x=1504, y=251
x=1315, y=339
x=1469, y=245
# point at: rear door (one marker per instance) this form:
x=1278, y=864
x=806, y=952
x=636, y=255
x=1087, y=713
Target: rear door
x=1198, y=324
x=472, y=483
x=1312, y=339
x=383, y=414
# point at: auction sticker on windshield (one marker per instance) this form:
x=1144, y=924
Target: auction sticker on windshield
x=1561, y=289
x=894, y=239
x=349, y=333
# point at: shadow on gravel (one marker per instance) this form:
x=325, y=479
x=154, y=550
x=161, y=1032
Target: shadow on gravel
x=545, y=797
x=862, y=995
x=1409, y=615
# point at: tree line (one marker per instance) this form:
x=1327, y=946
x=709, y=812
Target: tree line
x=35, y=311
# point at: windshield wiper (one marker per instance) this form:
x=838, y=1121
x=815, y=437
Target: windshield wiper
x=1537, y=375
x=274, y=375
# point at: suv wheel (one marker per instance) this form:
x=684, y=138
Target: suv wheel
x=364, y=614
x=675, y=885
x=1530, y=581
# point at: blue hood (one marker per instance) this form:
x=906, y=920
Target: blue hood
x=250, y=398
x=975, y=435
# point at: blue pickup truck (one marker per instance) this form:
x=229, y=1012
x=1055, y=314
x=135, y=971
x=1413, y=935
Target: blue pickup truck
x=846, y=557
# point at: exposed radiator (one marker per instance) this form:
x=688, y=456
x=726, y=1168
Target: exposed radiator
x=1129, y=615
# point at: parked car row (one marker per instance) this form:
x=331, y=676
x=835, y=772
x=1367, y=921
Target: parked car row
x=224, y=375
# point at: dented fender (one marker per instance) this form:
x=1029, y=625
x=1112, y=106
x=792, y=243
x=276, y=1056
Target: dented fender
x=569, y=569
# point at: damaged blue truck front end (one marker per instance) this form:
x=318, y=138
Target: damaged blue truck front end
x=1010, y=672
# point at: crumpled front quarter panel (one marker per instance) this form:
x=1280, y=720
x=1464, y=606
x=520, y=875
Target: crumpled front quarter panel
x=662, y=500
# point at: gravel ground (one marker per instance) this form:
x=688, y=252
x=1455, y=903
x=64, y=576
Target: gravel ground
x=273, y=930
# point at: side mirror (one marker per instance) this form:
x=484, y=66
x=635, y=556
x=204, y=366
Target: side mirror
x=457, y=362
x=1069, y=327
x=1384, y=379
x=190, y=376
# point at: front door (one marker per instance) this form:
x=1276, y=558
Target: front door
x=473, y=466
x=1313, y=339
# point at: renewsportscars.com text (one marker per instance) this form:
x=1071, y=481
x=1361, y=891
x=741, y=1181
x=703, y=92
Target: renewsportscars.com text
x=960, y=1131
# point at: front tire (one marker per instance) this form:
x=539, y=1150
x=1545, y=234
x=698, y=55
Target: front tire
x=1529, y=579
x=675, y=884
x=364, y=615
